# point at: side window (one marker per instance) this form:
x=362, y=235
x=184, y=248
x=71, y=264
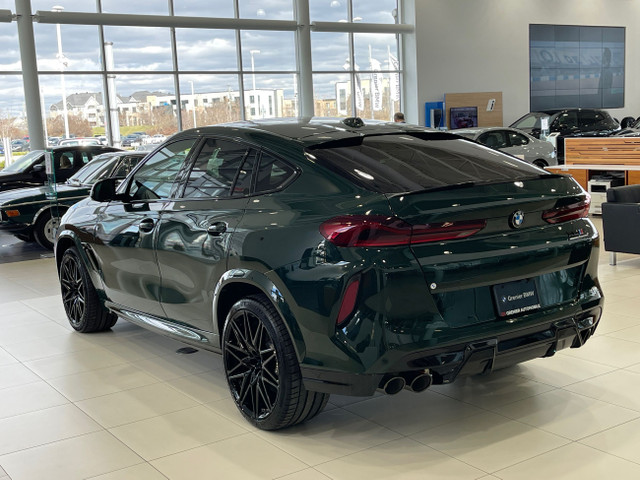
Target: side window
x=494, y=139
x=215, y=169
x=155, y=178
x=84, y=158
x=567, y=120
x=517, y=139
x=589, y=119
x=243, y=183
x=125, y=166
x=66, y=161
x=273, y=173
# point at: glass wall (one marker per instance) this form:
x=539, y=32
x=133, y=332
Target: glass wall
x=162, y=79
x=372, y=87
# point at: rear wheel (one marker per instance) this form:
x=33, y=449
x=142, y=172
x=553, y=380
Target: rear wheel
x=44, y=231
x=262, y=368
x=79, y=297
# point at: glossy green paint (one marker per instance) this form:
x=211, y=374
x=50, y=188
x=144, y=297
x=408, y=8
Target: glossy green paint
x=412, y=300
x=31, y=202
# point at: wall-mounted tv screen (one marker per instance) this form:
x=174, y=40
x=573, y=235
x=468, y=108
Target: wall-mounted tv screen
x=463, y=117
x=573, y=66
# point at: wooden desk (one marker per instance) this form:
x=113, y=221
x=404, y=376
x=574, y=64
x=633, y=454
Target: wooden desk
x=583, y=173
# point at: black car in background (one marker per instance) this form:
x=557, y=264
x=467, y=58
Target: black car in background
x=569, y=122
x=30, y=170
x=34, y=213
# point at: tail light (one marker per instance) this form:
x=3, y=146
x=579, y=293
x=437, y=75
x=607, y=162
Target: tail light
x=568, y=212
x=381, y=231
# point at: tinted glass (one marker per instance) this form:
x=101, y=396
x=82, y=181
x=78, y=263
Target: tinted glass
x=566, y=120
x=517, y=139
x=494, y=139
x=414, y=162
x=155, y=178
x=531, y=120
x=215, y=169
x=243, y=183
x=20, y=164
x=125, y=166
x=272, y=174
x=94, y=170
x=596, y=119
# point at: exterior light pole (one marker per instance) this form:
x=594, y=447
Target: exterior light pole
x=193, y=99
x=253, y=76
x=63, y=64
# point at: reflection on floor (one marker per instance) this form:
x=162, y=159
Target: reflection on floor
x=124, y=405
x=15, y=250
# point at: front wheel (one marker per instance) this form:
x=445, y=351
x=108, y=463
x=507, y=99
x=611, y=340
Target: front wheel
x=44, y=231
x=262, y=368
x=540, y=163
x=84, y=310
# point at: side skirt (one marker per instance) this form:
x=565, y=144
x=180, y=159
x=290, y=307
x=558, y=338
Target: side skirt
x=183, y=333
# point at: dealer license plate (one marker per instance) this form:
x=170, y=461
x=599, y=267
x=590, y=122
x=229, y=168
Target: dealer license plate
x=516, y=297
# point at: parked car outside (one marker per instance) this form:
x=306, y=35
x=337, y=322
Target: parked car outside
x=568, y=122
x=514, y=142
x=80, y=141
x=19, y=145
x=34, y=213
x=127, y=140
x=331, y=256
x=29, y=170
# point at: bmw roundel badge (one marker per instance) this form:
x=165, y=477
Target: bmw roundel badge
x=516, y=219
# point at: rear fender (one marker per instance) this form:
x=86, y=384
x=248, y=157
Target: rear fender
x=239, y=283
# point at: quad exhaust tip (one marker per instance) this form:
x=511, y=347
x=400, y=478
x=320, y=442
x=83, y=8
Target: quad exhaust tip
x=393, y=385
x=413, y=381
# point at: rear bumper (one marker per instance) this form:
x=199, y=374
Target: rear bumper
x=445, y=364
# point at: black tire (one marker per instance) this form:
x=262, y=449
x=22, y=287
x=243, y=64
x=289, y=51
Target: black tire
x=84, y=310
x=44, y=229
x=25, y=237
x=540, y=163
x=262, y=368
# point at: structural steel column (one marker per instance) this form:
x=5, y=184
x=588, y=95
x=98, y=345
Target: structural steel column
x=30, y=75
x=303, y=56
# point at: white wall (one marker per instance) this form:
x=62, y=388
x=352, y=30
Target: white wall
x=483, y=46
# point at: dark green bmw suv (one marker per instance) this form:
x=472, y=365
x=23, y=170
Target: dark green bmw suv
x=330, y=256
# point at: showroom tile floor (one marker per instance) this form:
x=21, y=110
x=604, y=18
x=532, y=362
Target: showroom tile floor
x=123, y=405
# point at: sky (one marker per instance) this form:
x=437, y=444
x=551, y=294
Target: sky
x=148, y=49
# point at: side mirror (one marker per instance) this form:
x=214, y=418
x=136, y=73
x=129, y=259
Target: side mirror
x=38, y=170
x=105, y=190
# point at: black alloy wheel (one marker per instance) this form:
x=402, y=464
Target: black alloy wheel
x=262, y=367
x=79, y=297
x=252, y=365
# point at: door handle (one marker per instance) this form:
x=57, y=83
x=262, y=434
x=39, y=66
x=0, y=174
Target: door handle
x=217, y=228
x=146, y=225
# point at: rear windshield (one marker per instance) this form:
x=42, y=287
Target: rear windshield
x=418, y=161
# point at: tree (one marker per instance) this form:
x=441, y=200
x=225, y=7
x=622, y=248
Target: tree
x=77, y=126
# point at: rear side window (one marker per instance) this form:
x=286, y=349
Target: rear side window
x=215, y=169
x=273, y=173
x=417, y=161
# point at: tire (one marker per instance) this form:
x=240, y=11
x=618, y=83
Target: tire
x=84, y=310
x=540, y=163
x=25, y=237
x=262, y=368
x=44, y=229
